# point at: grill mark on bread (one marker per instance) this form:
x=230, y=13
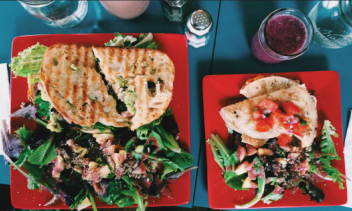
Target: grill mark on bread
x=144, y=60
x=152, y=55
x=83, y=94
x=119, y=56
x=78, y=48
x=112, y=57
x=136, y=61
x=61, y=70
x=128, y=66
x=67, y=91
x=94, y=104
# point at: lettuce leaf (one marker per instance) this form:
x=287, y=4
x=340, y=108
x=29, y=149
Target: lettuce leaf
x=327, y=143
x=330, y=153
x=143, y=132
x=44, y=153
x=170, y=166
x=314, y=193
x=233, y=180
x=222, y=155
x=332, y=172
x=261, y=188
x=132, y=192
x=121, y=40
x=146, y=41
x=271, y=197
x=28, y=62
x=24, y=135
x=79, y=198
x=182, y=159
x=43, y=107
x=34, y=80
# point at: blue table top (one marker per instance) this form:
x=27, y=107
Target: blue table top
x=18, y=22
x=238, y=21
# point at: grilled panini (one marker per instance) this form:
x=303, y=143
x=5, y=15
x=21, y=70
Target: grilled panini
x=142, y=78
x=75, y=89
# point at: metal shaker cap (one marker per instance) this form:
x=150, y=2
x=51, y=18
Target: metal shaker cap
x=200, y=22
x=174, y=3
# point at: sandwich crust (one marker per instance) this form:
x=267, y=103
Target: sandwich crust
x=261, y=85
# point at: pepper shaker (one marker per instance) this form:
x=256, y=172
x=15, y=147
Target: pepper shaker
x=198, y=28
x=176, y=11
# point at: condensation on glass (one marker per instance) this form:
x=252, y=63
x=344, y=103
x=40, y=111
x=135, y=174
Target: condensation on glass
x=332, y=22
x=60, y=14
x=176, y=11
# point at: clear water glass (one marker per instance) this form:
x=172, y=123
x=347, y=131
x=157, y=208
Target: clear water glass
x=332, y=22
x=60, y=14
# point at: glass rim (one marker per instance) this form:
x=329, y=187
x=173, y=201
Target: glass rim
x=35, y=2
x=309, y=32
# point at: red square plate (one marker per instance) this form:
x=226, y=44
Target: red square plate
x=174, y=45
x=222, y=90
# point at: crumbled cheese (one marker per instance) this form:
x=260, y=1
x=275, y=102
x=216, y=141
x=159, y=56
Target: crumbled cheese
x=139, y=149
x=102, y=138
x=104, y=171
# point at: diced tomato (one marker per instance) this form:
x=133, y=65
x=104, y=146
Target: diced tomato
x=269, y=104
x=302, y=128
x=257, y=114
x=262, y=126
x=284, y=140
x=286, y=126
x=297, y=132
x=281, y=117
x=270, y=121
x=290, y=108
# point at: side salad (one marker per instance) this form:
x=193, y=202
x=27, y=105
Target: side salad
x=80, y=164
x=278, y=165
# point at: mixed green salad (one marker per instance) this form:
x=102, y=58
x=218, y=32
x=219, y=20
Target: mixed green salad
x=80, y=164
x=273, y=168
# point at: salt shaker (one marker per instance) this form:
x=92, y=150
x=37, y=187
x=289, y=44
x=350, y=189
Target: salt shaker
x=198, y=28
x=176, y=11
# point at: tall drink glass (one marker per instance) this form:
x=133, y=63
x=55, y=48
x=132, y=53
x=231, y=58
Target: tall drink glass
x=283, y=35
x=60, y=14
x=125, y=9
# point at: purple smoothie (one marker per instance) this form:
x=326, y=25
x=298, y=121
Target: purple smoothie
x=285, y=35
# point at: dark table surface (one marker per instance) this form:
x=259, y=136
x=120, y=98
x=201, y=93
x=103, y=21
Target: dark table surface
x=228, y=52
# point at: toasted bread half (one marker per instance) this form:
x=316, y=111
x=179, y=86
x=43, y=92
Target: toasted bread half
x=261, y=85
x=75, y=89
x=149, y=73
x=238, y=116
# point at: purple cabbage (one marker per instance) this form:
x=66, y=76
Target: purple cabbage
x=26, y=112
x=11, y=144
